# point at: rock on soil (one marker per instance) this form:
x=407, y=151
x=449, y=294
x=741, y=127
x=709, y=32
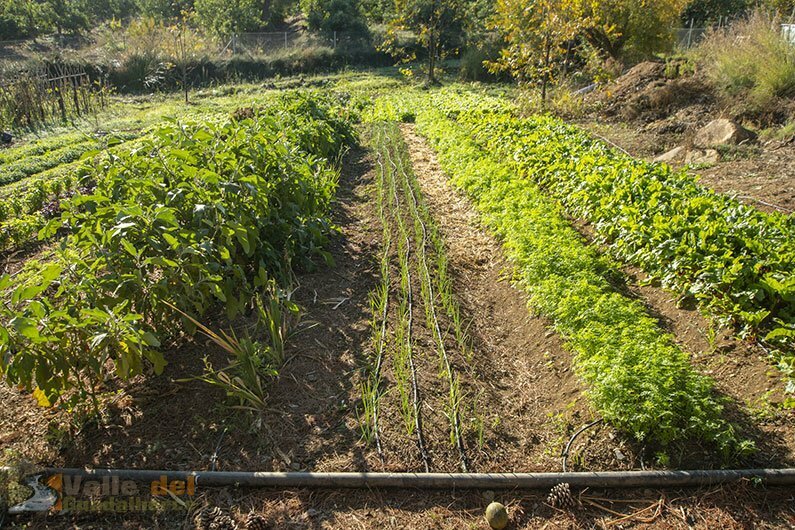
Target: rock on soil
x=722, y=132
x=702, y=156
x=677, y=154
x=680, y=154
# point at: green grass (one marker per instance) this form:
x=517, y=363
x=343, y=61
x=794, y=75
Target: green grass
x=750, y=63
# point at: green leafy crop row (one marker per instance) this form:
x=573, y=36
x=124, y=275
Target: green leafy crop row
x=25, y=167
x=637, y=378
x=736, y=261
x=196, y=216
x=26, y=205
x=39, y=147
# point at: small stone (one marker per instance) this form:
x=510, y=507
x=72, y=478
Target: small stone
x=619, y=455
x=488, y=496
x=699, y=157
x=677, y=154
x=497, y=516
x=722, y=132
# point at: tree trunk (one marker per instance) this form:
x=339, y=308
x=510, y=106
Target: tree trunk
x=599, y=40
x=432, y=59
x=266, y=11
x=545, y=77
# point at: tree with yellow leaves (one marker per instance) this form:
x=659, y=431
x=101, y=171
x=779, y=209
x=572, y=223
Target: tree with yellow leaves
x=540, y=34
x=637, y=28
x=537, y=35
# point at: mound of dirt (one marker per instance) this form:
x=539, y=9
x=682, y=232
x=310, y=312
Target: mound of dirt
x=646, y=94
x=635, y=80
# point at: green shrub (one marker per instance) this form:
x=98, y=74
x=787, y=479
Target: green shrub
x=201, y=215
x=472, y=68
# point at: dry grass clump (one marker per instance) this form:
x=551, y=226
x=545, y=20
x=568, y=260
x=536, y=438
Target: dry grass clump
x=750, y=63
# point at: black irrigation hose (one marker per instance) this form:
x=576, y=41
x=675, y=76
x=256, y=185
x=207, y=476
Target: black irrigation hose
x=409, y=190
x=445, y=481
x=414, y=385
x=565, y=454
x=409, y=301
x=382, y=335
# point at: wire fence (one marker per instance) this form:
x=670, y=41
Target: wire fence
x=690, y=36
x=270, y=43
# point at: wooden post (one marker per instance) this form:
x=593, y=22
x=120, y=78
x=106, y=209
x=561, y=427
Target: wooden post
x=74, y=95
x=61, y=105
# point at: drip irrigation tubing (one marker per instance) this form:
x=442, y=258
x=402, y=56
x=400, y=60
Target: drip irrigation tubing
x=426, y=460
x=565, y=454
x=444, y=481
x=382, y=333
x=408, y=189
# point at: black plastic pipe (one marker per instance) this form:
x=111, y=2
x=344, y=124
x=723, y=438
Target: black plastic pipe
x=607, y=479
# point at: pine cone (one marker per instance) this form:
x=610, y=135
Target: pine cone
x=223, y=522
x=560, y=496
x=255, y=521
x=204, y=518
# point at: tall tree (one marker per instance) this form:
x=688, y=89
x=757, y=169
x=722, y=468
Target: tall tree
x=340, y=16
x=631, y=27
x=226, y=18
x=438, y=25
x=20, y=19
x=537, y=34
x=378, y=11
x=785, y=8
x=164, y=10
x=274, y=11
x=707, y=12
x=65, y=16
x=101, y=10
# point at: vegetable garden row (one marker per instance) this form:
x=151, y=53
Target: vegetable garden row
x=194, y=217
x=529, y=176
x=204, y=221
x=411, y=239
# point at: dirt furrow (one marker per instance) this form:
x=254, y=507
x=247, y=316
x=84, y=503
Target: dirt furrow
x=529, y=398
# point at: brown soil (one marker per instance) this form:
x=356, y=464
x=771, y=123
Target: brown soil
x=741, y=371
x=764, y=180
x=645, y=94
x=519, y=370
